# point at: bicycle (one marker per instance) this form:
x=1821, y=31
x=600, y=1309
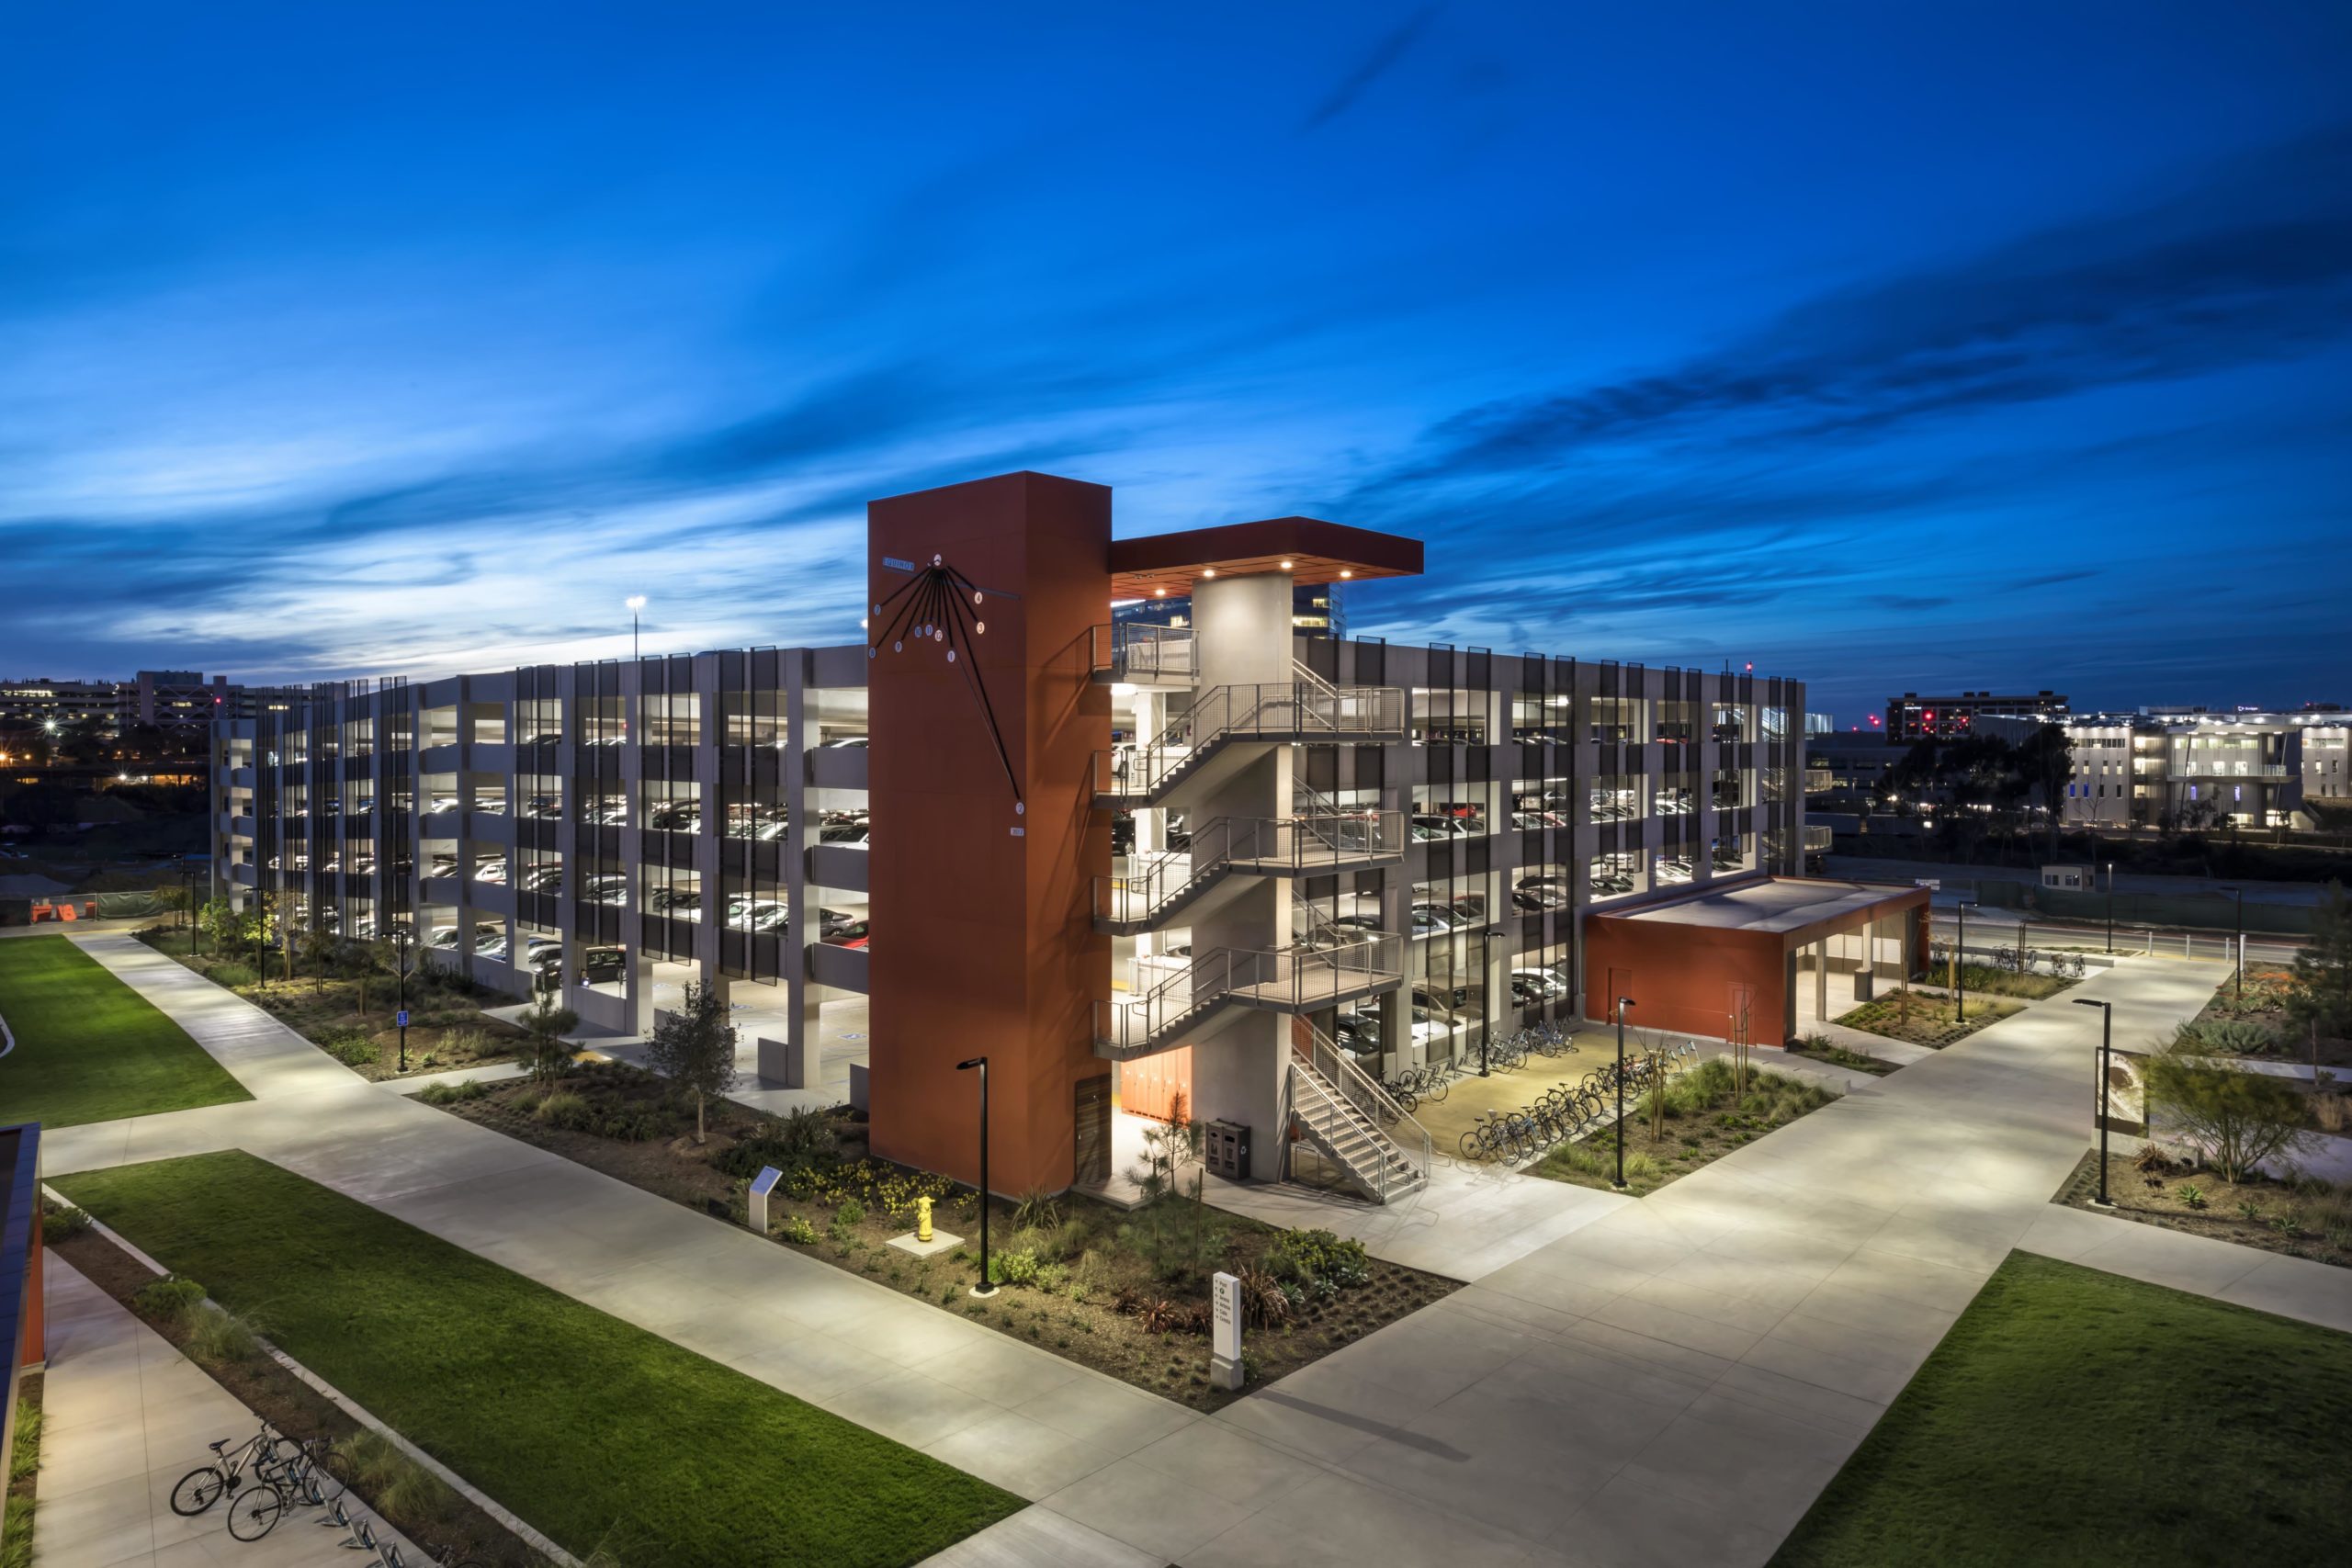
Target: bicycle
x=285, y=1477
x=196, y=1491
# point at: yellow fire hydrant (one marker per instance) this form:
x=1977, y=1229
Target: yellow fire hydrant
x=923, y=1219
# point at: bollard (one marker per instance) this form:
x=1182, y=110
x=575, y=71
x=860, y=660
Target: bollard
x=923, y=1219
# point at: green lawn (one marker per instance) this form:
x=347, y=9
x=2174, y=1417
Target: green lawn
x=592, y=1430
x=88, y=1047
x=2077, y=1417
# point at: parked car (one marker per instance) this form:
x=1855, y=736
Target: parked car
x=675, y=816
x=749, y=914
x=597, y=964
x=490, y=868
x=676, y=903
x=611, y=888
x=839, y=928
x=1431, y=918
x=1539, y=893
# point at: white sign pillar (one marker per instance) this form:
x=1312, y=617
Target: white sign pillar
x=756, y=1206
x=1225, y=1344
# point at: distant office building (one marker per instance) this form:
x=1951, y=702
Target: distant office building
x=1914, y=718
x=2192, y=767
x=179, y=702
x=61, y=705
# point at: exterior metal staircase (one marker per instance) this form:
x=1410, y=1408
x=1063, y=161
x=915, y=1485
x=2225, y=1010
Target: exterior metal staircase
x=1177, y=1008
x=1351, y=1120
x=1156, y=888
x=1273, y=713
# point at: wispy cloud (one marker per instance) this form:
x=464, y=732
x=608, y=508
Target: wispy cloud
x=1391, y=47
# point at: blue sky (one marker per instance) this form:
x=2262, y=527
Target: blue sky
x=1892, y=347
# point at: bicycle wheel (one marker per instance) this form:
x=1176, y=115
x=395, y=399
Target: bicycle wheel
x=199, y=1490
x=1472, y=1145
x=1439, y=1086
x=255, y=1512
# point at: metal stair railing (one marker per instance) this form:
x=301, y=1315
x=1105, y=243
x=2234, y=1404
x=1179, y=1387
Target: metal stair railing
x=1141, y=650
x=1285, y=981
x=1409, y=1140
x=1218, y=713
x=1279, y=844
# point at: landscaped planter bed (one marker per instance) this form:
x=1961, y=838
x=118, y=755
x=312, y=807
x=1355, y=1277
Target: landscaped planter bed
x=1928, y=1018
x=2310, y=1220
x=447, y=1028
x=1819, y=1048
x=1094, y=1296
x=1703, y=1121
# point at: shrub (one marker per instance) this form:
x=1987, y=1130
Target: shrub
x=466, y=1043
x=796, y=1229
x=2192, y=1194
x=1320, y=1256
x=2240, y=1119
x=216, y=1338
x=564, y=1109
x=1038, y=1210
x=235, y=976
x=1264, y=1303
x=452, y=1093
x=401, y=1488
x=799, y=1140
x=2226, y=1037
x=849, y=1214
x=171, y=1298
x=1017, y=1267
x=59, y=1222
x=353, y=1047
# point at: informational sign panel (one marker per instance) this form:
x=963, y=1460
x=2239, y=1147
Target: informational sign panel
x=399, y=1019
x=2123, y=1102
x=756, y=1215
x=1224, y=1342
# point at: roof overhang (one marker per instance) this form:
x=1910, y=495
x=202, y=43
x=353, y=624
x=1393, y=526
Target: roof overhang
x=1796, y=910
x=1307, y=550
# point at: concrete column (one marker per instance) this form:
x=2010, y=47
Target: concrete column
x=1243, y=628
x=803, y=1036
x=1821, y=979
x=1866, y=976
x=637, y=982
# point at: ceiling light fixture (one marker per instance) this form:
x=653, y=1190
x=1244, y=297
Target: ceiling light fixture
x=1286, y=566
x=1345, y=571
x=1208, y=572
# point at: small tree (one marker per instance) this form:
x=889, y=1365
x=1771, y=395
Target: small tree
x=695, y=1049
x=173, y=901
x=547, y=1023
x=319, y=949
x=368, y=960
x=2239, y=1119
x=2319, y=991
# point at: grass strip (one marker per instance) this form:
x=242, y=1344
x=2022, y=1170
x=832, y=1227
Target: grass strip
x=2081, y=1417
x=91, y=1049
x=595, y=1431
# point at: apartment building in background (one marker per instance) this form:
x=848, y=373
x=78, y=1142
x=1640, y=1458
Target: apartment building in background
x=1126, y=859
x=2185, y=765
x=1914, y=718
x=177, y=702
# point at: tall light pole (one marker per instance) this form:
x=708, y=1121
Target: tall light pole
x=399, y=937
x=2237, y=942
x=636, y=603
x=2098, y=1106
x=2110, y=906
x=1623, y=1003
x=987, y=1287
x=1960, y=967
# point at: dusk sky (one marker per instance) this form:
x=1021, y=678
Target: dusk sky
x=1886, y=346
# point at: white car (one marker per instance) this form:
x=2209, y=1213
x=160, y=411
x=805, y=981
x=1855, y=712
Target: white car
x=746, y=914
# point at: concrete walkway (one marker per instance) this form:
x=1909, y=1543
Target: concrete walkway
x=125, y=1415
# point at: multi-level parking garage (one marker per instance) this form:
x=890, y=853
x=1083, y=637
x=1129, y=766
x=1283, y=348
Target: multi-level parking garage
x=1218, y=857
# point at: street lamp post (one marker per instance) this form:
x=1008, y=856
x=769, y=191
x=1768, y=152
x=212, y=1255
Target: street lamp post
x=635, y=602
x=2110, y=906
x=2099, y=1105
x=986, y=1286
x=1960, y=967
x=400, y=939
x=1623, y=1003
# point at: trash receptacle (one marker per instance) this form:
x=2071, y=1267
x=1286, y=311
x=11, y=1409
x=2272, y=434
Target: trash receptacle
x=1226, y=1153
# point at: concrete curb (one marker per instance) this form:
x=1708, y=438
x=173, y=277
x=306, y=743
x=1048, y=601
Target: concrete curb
x=359, y=1413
